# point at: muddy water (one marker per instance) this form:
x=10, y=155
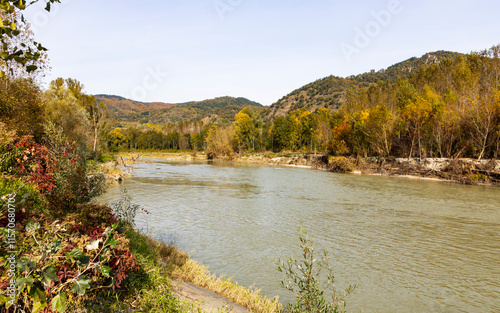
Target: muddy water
x=409, y=245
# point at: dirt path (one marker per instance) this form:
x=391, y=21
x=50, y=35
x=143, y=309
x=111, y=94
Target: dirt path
x=206, y=300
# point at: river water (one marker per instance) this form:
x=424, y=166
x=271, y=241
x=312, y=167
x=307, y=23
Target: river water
x=409, y=245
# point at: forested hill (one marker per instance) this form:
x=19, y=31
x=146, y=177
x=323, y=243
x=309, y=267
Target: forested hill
x=330, y=92
x=120, y=106
x=164, y=113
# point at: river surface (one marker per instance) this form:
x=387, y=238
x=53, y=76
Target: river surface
x=409, y=245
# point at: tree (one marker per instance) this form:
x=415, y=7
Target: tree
x=247, y=128
x=26, y=54
x=324, y=123
x=21, y=107
x=281, y=134
x=220, y=141
x=97, y=117
x=482, y=116
x=65, y=113
x=15, y=70
x=380, y=128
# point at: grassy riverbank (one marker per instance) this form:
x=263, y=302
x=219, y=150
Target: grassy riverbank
x=78, y=262
x=154, y=290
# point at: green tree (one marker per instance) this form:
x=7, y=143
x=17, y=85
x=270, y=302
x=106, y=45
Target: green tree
x=281, y=134
x=65, y=113
x=248, y=128
x=26, y=53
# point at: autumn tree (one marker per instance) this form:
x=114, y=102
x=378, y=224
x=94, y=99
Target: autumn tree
x=66, y=115
x=17, y=45
x=482, y=116
x=21, y=107
x=220, y=141
x=248, y=129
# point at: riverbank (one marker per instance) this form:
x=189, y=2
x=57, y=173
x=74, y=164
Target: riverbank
x=462, y=171
x=170, y=272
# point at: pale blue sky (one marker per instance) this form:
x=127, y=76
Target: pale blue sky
x=183, y=50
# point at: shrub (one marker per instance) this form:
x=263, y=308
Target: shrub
x=61, y=173
x=340, y=164
x=125, y=211
x=59, y=265
x=302, y=280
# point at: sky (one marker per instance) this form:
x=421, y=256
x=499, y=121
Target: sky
x=176, y=51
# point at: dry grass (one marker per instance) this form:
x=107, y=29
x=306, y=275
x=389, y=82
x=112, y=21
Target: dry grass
x=251, y=298
x=110, y=169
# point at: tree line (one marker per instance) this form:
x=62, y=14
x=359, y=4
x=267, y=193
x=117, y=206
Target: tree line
x=448, y=109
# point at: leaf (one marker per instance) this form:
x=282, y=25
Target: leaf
x=38, y=306
x=81, y=285
x=25, y=265
x=31, y=228
x=37, y=293
x=21, y=282
x=75, y=254
x=84, y=261
x=49, y=275
x=31, y=68
x=105, y=270
x=112, y=242
x=56, y=246
x=47, y=8
x=59, y=303
x=94, y=245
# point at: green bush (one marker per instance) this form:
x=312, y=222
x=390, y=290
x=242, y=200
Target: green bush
x=303, y=280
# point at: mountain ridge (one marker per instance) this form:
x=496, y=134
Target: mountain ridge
x=127, y=110
x=330, y=92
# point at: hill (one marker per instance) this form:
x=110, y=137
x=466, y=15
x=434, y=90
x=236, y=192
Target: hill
x=127, y=110
x=121, y=106
x=212, y=109
x=330, y=92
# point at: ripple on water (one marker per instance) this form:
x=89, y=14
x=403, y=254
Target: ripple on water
x=409, y=245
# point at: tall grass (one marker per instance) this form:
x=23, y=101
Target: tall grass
x=250, y=298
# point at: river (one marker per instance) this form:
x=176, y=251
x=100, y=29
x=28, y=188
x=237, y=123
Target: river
x=409, y=245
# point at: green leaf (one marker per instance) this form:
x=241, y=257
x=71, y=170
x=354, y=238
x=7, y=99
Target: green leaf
x=38, y=306
x=84, y=261
x=31, y=228
x=37, y=293
x=59, y=303
x=112, y=242
x=55, y=246
x=25, y=265
x=48, y=7
x=105, y=270
x=31, y=68
x=81, y=285
x=5, y=301
x=21, y=282
x=49, y=275
x=75, y=254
